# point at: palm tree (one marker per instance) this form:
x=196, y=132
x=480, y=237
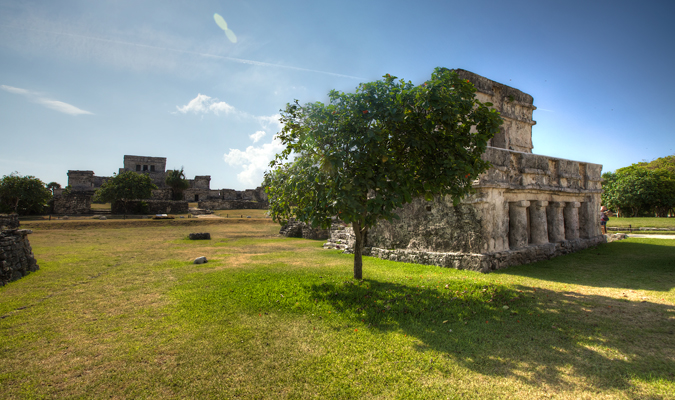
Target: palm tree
x=53, y=185
x=175, y=179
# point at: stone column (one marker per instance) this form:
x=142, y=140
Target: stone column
x=589, y=223
x=538, y=228
x=518, y=224
x=571, y=214
x=556, y=224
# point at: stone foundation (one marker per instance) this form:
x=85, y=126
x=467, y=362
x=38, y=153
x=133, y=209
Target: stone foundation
x=16, y=255
x=489, y=261
x=233, y=205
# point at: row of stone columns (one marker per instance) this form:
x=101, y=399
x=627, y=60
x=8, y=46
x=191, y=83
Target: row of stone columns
x=548, y=222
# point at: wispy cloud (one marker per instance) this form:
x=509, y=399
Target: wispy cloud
x=49, y=103
x=253, y=160
x=203, y=104
x=257, y=136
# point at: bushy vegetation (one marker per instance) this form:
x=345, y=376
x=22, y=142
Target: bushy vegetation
x=24, y=195
x=125, y=187
x=642, y=189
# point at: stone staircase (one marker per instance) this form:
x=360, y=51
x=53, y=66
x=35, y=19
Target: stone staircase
x=341, y=237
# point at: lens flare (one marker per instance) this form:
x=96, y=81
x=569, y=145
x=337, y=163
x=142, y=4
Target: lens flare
x=220, y=21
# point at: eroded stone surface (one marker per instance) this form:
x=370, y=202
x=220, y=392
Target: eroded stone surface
x=16, y=255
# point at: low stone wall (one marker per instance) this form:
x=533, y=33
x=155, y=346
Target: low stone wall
x=153, y=207
x=9, y=221
x=486, y=262
x=233, y=205
x=73, y=204
x=16, y=255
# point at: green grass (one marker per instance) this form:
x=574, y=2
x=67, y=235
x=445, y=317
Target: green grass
x=122, y=313
x=641, y=222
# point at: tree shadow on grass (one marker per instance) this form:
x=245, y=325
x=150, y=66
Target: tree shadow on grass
x=628, y=265
x=566, y=340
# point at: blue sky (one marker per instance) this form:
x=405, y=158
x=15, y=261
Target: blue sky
x=84, y=82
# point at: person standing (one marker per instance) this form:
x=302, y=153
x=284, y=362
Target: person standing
x=603, y=219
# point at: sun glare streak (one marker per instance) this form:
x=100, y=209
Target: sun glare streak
x=238, y=60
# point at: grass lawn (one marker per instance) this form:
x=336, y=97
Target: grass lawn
x=641, y=222
x=119, y=311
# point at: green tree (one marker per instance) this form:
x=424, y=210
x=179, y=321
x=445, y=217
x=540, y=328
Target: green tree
x=125, y=187
x=639, y=189
x=23, y=194
x=52, y=186
x=175, y=179
x=365, y=154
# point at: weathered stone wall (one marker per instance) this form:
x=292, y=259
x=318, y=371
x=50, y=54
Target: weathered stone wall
x=233, y=205
x=73, y=204
x=9, y=221
x=16, y=255
x=162, y=194
x=81, y=180
x=196, y=194
x=300, y=229
x=515, y=108
x=200, y=182
x=257, y=194
x=526, y=208
x=154, y=207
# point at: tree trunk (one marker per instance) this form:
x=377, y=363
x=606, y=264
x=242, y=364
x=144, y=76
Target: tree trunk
x=359, y=234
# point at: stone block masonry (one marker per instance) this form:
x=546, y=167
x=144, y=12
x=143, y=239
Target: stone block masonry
x=9, y=221
x=16, y=255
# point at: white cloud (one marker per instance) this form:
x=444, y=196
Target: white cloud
x=49, y=103
x=254, y=161
x=257, y=136
x=16, y=90
x=271, y=122
x=62, y=107
x=203, y=104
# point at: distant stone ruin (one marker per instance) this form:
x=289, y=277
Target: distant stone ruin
x=526, y=208
x=16, y=255
x=83, y=185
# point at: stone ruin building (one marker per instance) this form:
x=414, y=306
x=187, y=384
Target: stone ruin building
x=83, y=185
x=16, y=255
x=527, y=207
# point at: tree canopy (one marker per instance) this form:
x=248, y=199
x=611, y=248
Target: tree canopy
x=125, y=187
x=365, y=154
x=175, y=179
x=23, y=194
x=645, y=188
